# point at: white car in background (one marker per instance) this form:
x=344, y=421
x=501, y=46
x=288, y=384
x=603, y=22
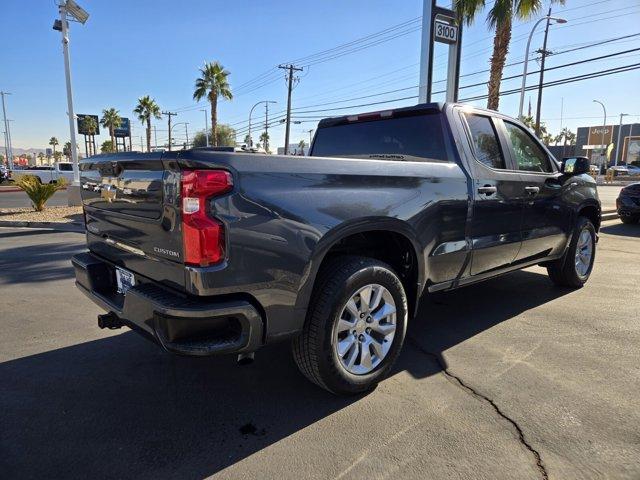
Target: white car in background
x=48, y=174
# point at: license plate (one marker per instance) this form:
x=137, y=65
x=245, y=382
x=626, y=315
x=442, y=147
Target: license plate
x=125, y=280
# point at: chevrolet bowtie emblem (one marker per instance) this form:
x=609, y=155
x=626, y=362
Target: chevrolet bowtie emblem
x=109, y=193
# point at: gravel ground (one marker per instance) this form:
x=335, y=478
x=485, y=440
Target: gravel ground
x=50, y=214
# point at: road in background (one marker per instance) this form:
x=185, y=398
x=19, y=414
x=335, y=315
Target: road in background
x=608, y=195
x=538, y=380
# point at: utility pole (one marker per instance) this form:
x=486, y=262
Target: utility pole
x=169, y=114
x=7, y=136
x=310, y=132
x=618, y=146
x=142, y=144
x=186, y=132
x=206, y=127
x=266, y=127
x=544, y=52
x=603, y=148
x=291, y=68
x=155, y=137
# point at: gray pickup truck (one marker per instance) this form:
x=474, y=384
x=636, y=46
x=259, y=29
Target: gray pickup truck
x=209, y=252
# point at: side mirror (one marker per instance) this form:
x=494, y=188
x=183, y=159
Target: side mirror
x=575, y=165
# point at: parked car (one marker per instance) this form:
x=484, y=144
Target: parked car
x=5, y=174
x=633, y=169
x=619, y=170
x=50, y=173
x=226, y=252
x=628, y=203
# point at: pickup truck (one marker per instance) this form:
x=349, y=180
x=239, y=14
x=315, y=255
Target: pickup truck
x=49, y=174
x=209, y=252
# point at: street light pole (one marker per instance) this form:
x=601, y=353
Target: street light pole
x=604, y=125
x=7, y=135
x=250, y=112
x=526, y=59
x=206, y=126
x=67, y=73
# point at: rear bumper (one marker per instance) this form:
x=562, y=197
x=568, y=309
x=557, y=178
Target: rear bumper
x=628, y=207
x=179, y=323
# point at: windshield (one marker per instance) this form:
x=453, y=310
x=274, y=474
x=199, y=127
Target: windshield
x=409, y=138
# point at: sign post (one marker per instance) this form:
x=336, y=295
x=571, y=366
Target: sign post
x=439, y=25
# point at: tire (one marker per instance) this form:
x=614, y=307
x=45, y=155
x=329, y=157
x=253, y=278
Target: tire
x=566, y=272
x=629, y=220
x=317, y=350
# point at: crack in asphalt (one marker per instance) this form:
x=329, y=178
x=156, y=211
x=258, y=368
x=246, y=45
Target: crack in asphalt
x=452, y=377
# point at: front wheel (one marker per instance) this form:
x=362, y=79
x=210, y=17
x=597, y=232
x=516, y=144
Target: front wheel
x=574, y=268
x=355, y=326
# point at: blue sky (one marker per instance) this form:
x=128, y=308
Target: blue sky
x=131, y=48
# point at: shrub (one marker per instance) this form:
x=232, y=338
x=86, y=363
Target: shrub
x=37, y=191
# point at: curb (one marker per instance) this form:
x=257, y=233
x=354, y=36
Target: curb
x=608, y=216
x=57, y=226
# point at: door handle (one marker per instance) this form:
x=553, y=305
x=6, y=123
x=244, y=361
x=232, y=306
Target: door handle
x=487, y=190
x=532, y=190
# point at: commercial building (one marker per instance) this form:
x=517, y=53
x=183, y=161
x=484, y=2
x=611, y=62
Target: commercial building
x=599, y=143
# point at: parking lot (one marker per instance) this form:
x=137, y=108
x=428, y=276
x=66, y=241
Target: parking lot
x=512, y=378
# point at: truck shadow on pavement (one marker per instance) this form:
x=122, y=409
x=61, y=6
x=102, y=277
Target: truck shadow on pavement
x=120, y=407
x=622, y=229
x=47, y=262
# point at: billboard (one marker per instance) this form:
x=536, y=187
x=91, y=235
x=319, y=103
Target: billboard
x=124, y=129
x=595, y=135
x=82, y=126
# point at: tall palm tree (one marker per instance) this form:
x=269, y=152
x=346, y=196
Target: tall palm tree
x=66, y=150
x=500, y=17
x=53, y=141
x=212, y=84
x=147, y=108
x=264, y=138
x=111, y=120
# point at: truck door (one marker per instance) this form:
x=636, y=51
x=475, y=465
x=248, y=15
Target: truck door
x=497, y=202
x=546, y=221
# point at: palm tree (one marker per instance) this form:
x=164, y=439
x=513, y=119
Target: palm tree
x=566, y=135
x=53, y=141
x=66, y=150
x=213, y=84
x=500, y=17
x=147, y=108
x=264, y=138
x=111, y=120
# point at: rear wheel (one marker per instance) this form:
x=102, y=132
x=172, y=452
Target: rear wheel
x=574, y=268
x=355, y=326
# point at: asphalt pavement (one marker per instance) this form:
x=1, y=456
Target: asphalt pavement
x=509, y=379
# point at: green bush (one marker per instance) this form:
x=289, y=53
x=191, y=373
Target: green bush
x=37, y=191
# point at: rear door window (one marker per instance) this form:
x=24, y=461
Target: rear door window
x=485, y=141
x=407, y=138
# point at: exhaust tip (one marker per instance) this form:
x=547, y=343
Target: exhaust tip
x=246, y=358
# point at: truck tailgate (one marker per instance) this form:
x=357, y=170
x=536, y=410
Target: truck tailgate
x=132, y=212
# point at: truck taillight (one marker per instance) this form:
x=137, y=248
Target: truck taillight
x=203, y=236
